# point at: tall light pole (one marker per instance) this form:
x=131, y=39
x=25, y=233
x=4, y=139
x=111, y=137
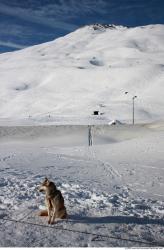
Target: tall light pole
x=133, y=106
x=134, y=97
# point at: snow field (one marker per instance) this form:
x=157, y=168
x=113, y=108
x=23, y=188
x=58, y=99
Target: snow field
x=113, y=189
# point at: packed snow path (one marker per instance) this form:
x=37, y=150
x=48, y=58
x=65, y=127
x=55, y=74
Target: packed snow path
x=113, y=189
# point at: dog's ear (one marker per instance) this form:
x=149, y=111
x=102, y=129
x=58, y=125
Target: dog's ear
x=46, y=181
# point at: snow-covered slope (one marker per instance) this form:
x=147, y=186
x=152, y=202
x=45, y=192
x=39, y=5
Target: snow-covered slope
x=89, y=69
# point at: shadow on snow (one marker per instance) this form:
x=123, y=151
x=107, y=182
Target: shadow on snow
x=116, y=219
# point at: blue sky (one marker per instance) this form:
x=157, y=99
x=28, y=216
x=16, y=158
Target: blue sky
x=27, y=22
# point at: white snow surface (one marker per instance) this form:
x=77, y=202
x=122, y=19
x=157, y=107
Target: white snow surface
x=86, y=70
x=113, y=190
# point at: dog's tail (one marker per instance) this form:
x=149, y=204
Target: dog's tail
x=43, y=213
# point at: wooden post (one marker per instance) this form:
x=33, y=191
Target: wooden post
x=89, y=135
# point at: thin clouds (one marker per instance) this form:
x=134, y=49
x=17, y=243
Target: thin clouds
x=74, y=8
x=12, y=45
x=29, y=15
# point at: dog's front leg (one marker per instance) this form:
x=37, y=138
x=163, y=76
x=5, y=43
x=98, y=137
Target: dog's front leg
x=49, y=210
x=49, y=215
x=53, y=212
x=53, y=216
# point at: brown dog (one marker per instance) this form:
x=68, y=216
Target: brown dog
x=54, y=202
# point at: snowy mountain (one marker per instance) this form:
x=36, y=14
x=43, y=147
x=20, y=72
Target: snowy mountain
x=113, y=190
x=89, y=69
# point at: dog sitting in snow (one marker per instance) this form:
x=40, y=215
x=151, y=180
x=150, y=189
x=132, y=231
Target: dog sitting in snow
x=54, y=202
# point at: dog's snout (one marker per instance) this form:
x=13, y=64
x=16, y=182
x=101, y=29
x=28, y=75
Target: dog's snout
x=42, y=189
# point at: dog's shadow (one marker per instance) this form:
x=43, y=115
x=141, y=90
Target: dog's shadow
x=115, y=219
